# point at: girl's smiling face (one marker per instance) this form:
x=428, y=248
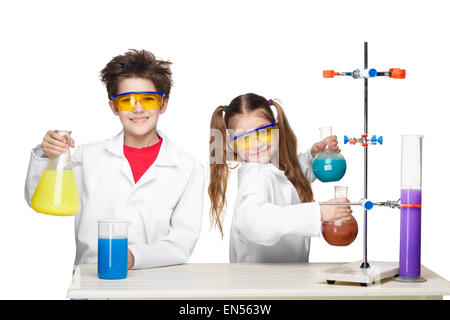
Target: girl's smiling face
x=258, y=152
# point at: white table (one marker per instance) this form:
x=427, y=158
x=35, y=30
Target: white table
x=244, y=281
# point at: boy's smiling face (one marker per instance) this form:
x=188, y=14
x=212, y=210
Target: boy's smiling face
x=138, y=123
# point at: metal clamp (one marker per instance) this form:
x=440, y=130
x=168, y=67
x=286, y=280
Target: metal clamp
x=364, y=140
x=391, y=204
x=366, y=204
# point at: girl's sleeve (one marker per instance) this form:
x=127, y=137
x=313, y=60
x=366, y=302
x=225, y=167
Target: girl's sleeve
x=306, y=160
x=263, y=222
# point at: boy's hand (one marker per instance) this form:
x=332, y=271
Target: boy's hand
x=331, y=213
x=130, y=260
x=54, y=144
x=320, y=146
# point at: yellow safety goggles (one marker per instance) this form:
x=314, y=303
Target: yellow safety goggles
x=247, y=140
x=149, y=100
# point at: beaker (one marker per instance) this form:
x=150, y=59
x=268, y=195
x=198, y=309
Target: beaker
x=411, y=209
x=112, y=249
x=328, y=165
x=56, y=192
x=340, y=232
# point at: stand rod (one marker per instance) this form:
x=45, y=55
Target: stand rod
x=365, y=263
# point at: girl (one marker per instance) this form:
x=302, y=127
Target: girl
x=274, y=215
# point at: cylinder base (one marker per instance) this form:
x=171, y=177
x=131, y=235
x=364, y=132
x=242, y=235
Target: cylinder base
x=409, y=279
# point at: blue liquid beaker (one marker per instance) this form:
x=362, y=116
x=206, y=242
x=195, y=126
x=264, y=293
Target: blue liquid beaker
x=328, y=166
x=112, y=249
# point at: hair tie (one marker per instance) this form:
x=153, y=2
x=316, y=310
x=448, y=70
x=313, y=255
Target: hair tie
x=224, y=108
x=270, y=101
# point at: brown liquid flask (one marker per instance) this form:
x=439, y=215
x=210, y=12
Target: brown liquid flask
x=341, y=232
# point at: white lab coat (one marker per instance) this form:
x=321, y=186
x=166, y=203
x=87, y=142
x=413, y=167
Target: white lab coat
x=269, y=222
x=164, y=207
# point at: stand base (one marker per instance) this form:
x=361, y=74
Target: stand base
x=352, y=272
x=409, y=279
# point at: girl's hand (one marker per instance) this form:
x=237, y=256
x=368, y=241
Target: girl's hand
x=320, y=146
x=331, y=213
x=54, y=144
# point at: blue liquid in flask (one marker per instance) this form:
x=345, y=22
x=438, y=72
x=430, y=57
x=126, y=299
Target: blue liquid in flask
x=329, y=167
x=112, y=258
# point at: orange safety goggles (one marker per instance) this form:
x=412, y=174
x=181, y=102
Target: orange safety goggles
x=149, y=100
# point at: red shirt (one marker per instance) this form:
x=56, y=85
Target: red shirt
x=140, y=159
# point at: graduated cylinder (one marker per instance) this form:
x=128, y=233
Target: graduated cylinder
x=411, y=209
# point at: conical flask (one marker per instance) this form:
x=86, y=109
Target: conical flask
x=56, y=193
x=328, y=166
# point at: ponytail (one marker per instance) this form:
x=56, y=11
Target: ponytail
x=219, y=171
x=288, y=157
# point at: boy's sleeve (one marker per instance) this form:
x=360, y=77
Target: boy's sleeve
x=38, y=163
x=185, y=227
x=306, y=160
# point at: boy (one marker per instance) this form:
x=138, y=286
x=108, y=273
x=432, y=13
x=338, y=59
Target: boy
x=138, y=175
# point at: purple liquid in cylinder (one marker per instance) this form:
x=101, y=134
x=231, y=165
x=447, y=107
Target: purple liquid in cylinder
x=410, y=223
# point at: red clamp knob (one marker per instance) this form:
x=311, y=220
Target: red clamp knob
x=329, y=73
x=397, y=73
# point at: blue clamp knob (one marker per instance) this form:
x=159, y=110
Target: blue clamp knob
x=367, y=204
x=374, y=140
x=346, y=139
x=373, y=73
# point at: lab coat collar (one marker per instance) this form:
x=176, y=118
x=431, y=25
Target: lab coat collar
x=268, y=165
x=166, y=157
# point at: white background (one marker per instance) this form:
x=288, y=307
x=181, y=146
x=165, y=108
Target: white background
x=52, y=52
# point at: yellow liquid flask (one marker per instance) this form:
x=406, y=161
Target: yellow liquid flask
x=56, y=193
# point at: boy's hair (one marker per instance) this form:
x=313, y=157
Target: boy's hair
x=137, y=64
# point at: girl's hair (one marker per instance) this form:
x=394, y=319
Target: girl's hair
x=288, y=161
